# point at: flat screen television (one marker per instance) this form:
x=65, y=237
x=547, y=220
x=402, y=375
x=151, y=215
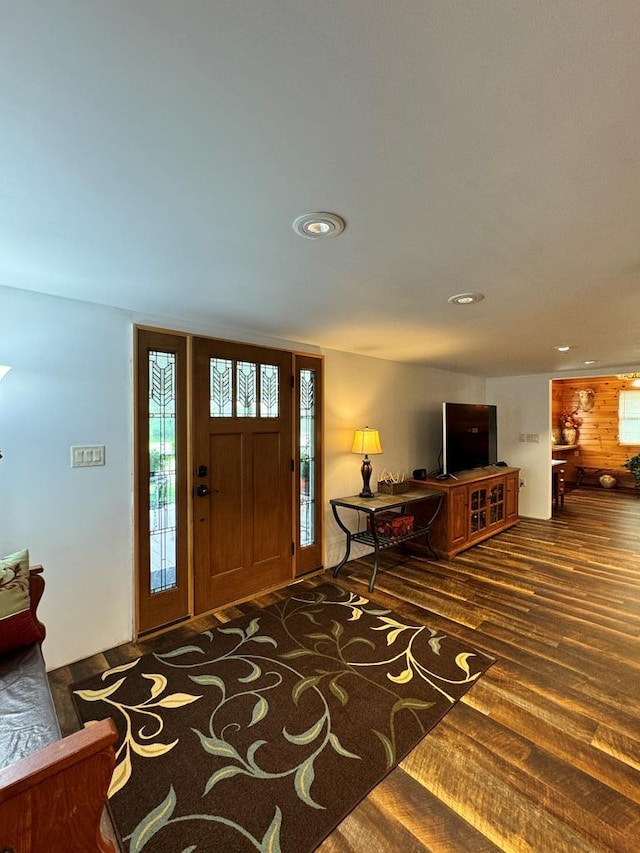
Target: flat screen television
x=469, y=436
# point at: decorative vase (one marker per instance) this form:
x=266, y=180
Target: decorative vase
x=607, y=481
x=556, y=435
x=569, y=435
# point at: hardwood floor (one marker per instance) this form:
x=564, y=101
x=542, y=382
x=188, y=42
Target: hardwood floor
x=543, y=753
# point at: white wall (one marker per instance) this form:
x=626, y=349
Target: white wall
x=71, y=383
x=403, y=401
x=523, y=409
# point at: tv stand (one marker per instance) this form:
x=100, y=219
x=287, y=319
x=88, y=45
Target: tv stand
x=478, y=504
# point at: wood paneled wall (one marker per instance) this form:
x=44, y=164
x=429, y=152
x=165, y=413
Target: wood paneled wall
x=598, y=433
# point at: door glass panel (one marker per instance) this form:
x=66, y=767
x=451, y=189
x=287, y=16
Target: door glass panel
x=497, y=513
x=307, y=414
x=269, y=391
x=162, y=470
x=246, y=378
x=221, y=388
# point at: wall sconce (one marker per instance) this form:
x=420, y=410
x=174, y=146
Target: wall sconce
x=366, y=441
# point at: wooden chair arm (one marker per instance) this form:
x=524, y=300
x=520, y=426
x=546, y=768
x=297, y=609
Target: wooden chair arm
x=74, y=774
x=36, y=589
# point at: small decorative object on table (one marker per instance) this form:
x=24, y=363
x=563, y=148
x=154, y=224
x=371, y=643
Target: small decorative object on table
x=392, y=484
x=391, y=523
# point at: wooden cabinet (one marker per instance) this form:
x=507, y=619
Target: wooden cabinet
x=476, y=507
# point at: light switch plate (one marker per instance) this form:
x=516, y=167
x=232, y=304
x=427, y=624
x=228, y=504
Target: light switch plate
x=87, y=455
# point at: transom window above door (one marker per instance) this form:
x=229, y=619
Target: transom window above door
x=243, y=389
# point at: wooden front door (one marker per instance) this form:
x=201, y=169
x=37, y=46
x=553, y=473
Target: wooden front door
x=242, y=465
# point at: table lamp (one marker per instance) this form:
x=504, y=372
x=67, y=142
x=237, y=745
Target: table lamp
x=366, y=441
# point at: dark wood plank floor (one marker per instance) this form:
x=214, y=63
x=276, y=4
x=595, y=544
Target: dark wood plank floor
x=543, y=753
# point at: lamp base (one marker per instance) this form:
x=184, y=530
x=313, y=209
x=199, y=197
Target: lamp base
x=365, y=470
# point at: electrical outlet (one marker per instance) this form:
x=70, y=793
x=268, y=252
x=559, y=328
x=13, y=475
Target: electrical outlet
x=523, y=482
x=533, y=437
x=523, y=437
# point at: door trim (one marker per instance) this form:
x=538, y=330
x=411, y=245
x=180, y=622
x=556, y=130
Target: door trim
x=150, y=613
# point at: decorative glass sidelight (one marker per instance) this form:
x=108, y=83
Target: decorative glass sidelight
x=162, y=470
x=307, y=415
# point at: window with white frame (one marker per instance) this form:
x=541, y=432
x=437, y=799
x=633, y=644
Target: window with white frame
x=629, y=417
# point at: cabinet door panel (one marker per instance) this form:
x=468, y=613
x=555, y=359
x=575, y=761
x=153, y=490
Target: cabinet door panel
x=458, y=514
x=512, y=496
x=478, y=501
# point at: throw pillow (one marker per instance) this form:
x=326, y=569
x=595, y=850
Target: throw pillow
x=18, y=626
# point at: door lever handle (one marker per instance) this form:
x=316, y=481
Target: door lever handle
x=202, y=491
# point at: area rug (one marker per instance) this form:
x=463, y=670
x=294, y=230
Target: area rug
x=263, y=734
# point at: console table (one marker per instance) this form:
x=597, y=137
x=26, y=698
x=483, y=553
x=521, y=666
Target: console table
x=369, y=507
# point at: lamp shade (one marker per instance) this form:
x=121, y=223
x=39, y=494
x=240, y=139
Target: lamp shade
x=4, y=369
x=366, y=441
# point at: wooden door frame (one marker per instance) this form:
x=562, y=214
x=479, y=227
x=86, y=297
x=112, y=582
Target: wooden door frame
x=164, y=608
x=311, y=556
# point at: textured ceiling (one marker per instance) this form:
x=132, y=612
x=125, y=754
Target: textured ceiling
x=154, y=154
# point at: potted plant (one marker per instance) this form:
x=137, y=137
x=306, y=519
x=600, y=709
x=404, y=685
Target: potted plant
x=633, y=465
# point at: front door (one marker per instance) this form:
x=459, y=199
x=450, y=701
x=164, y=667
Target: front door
x=242, y=465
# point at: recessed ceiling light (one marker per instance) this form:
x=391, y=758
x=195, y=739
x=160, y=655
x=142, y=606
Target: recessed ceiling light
x=466, y=298
x=563, y=348
x=314, y=225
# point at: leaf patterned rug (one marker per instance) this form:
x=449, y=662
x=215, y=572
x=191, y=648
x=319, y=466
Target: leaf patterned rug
x=263, y=734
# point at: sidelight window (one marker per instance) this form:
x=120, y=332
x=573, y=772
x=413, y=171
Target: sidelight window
x=307, y=414
x=162, y=470
x=308, y=462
